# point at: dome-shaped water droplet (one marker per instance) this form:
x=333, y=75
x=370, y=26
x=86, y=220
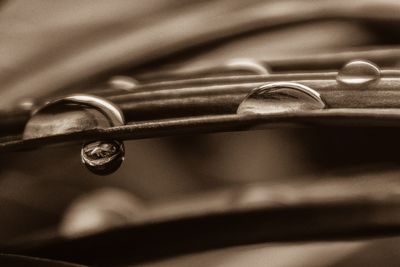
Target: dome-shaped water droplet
x=248, y=64
x=281, y=97
x=123, y=83
x=358, y=74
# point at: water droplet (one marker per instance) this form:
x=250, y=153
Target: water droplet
x=281, y=97
x=123, y=83
x=358, y=73
x=103, y=157
x=248, y=64
x=64, y=116
x=27, y=104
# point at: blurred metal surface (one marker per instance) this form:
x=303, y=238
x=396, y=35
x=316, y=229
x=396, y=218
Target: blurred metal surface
x=330, y=209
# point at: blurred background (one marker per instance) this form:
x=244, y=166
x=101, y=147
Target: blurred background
x=54, y=47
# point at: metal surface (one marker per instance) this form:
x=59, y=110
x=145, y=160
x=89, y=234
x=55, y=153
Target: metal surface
x=211, y=104
x=353, y=208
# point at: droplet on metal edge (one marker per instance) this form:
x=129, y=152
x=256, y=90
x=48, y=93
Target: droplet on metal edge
x=358, y=74
x=281, y=97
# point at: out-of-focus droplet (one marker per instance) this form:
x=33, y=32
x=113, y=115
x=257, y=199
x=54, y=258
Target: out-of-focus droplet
x=103, y=157
x=247, y=64
x=281, y=97
x=123, y=83
x=27, y=104
x=100, y=210
x=358, y=74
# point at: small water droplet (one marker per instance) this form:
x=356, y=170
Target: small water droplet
x=123, y=83
x=358, y=73
x=27, y=104
x=281, y=97
x=103, y=157
x=247, y=64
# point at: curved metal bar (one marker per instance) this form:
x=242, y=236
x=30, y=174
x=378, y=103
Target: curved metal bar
x=302, y=211
x=355, y=117
x=170, y=108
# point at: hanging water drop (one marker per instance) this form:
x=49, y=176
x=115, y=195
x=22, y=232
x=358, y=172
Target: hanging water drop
x=103, y=157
